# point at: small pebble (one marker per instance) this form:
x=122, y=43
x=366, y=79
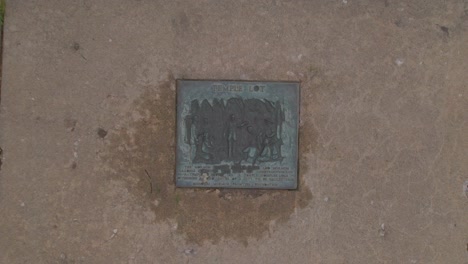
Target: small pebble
x=382, y=230
x=76, y=46
x=189, y=251
x=101, y=133
x=326, y=199
x=114, y=233
x=156, y=203
x=399, y=62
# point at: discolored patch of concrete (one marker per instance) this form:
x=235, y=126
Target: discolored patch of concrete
x=141, y=152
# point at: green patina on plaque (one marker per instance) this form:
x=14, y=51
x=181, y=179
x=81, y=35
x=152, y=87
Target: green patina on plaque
x=237, y=134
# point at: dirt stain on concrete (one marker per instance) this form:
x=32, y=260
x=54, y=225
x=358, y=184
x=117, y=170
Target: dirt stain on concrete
x=147, y=142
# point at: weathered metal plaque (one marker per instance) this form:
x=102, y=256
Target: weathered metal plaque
x=237, y=134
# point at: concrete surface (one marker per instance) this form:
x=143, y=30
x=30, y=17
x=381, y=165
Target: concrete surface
x=88, y=105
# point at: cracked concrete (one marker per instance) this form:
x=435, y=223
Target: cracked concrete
x=88, y=108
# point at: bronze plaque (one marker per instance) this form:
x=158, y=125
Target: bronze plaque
x=237, y=134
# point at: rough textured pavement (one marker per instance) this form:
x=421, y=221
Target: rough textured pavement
x=88, y=105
